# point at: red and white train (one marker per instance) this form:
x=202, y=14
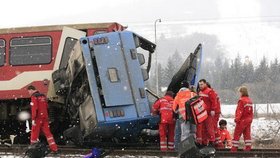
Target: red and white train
x=29, y=55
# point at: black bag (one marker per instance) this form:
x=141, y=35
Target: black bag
x=188, y=148
x=37, y=150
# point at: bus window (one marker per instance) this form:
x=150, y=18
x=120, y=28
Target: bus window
x=68, y=47
x=2, y=52
x=30, y=50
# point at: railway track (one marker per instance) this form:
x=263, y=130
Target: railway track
x=71, y=151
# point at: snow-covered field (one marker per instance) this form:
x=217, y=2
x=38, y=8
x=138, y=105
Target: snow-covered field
x=263, y=127
x=228, y=110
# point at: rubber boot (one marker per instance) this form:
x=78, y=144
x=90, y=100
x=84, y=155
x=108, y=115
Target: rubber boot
x=247, y=148
x=233, y=149
x=220, y=146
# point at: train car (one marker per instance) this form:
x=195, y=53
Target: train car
x=29, y=55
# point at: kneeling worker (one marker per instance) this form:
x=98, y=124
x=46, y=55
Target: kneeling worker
x=224, y=133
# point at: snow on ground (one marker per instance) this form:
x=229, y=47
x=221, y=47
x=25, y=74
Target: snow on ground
x=262, y=127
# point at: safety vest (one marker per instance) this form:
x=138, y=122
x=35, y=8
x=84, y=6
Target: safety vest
x=179, y=102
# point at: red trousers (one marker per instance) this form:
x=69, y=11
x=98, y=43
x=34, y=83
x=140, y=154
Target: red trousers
x=218, y=142
x=166, y=133
x=199, y=133
x=205, y=131
x=42, y=125
x=242, y=127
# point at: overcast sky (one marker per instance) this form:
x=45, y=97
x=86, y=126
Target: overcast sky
x=241, y=25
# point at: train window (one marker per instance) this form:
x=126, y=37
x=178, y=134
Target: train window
x=141, y=58
x=68, y=47
x=2, y=52
x=113, y=75
x=145, y=74
x=30, y=50
x=133, y=53
x=142, y=92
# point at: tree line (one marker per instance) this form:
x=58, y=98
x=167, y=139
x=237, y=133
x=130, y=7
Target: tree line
x=227, y=75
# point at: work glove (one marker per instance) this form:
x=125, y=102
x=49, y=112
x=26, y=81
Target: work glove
x=212, y=113
x=33, y=123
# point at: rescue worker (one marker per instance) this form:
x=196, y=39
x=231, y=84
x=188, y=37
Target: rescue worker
x=163, y=107
x=218, y=142
x=39, y=116
x=224, y=133
x=205, y=131
x=177, y=138
x=243, y=120
x=181, y=98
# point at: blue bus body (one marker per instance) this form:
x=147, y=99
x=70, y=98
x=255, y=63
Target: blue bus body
x=104, y=86
x=115, y=102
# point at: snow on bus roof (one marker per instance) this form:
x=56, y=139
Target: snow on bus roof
x=55, y=27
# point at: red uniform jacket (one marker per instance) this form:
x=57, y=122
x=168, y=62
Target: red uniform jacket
x=39, y=106
x=244, y=110
x=163, y=107
x=210, y=99
x=225, y=136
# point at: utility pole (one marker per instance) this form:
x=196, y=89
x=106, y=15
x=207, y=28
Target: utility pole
x=157, y=20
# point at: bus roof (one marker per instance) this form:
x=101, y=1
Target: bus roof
x=55, y=27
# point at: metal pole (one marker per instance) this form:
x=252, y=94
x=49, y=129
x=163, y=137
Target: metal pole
x=158, y=20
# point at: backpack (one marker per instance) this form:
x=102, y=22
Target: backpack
x=196, y=110
x=37, y=150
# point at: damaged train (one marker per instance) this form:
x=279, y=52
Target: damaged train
x=93, y=75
